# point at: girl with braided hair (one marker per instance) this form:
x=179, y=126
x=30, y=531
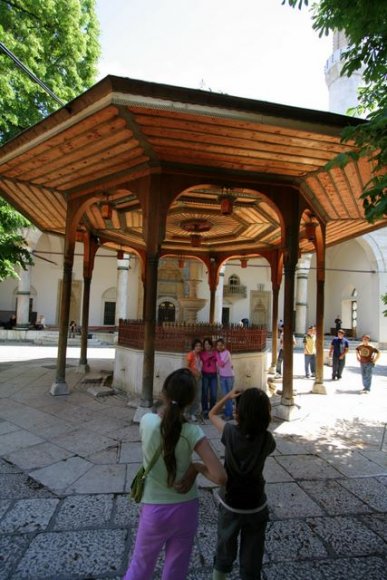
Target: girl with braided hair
x=170, y=505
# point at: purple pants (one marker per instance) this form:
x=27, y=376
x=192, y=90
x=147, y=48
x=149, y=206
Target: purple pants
x=171, y=525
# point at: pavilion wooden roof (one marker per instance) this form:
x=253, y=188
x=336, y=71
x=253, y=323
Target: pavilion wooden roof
x=122, y=129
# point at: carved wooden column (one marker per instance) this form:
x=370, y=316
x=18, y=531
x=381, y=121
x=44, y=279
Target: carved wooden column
x=60, y=387
x=290, y=262
x=319, y=386
x=213, y=279
x=75, y=210
x=290, y=234
x=155, y=209
x=90, y=248
x=276, y=264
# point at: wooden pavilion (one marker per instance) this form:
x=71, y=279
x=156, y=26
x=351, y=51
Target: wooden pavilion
x=161, y=170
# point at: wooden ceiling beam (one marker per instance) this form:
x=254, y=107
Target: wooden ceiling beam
x=93, y=138
x=249, y=164
x=128, y=116
x=226, y=151
x=31, y=149
x=63, y=170
x=146, y=116
x=259, y=144
x=100, y=170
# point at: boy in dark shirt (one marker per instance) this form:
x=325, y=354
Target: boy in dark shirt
x=338, y=350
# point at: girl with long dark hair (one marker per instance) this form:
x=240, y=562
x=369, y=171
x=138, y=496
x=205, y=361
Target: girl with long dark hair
x=170, y=505
x=243, y=512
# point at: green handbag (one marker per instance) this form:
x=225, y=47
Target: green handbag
x=138, y=483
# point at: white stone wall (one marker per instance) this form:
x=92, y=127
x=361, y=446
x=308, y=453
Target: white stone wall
x=250, y=369
x=349, y=266
x=46, y=276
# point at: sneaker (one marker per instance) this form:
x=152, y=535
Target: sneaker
x=307, y=376
x=364, y=392
x=194, y=418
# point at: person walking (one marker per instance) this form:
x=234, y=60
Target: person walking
x=309, y=342
x=243, y=512
x=338, y=323
x=367, y=355
x=170, y=504
x=194, y=363
x=209, y=376
x=226, y=374
x=72, y=329
x=338, y=349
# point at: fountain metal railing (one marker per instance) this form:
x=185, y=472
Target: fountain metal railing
x=178, y=337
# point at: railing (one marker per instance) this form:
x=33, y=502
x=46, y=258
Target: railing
x=174, y=337
x=237, y=290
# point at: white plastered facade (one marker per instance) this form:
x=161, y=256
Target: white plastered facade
x=356, y=271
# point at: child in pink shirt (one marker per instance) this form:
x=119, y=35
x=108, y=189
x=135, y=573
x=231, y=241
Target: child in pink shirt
x=194, y=363
x=209, y=376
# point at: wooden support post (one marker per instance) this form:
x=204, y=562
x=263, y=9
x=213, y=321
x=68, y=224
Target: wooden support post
x=149, y=329
x=319, y=387
x=287, y=385
x=89, y=250
x=75, y=210
x=213, y=280
x=60, y=387
x=155, y=202
x=290, y=213
x=212, y=305
x=274, y=331
x=275, y=259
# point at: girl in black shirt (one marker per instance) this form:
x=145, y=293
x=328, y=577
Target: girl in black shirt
x=243, y=512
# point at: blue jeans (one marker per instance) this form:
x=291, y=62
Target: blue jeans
x=226, y=385
x=209, y=383
x=366, y=374
x=310, y=361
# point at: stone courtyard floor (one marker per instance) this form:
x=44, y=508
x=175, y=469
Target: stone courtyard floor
x=66, y=464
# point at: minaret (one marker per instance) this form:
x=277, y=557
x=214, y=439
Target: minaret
x=343, y=91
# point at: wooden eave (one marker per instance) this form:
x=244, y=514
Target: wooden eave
x=122, y=129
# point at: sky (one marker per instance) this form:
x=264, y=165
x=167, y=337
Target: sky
x=248, y=48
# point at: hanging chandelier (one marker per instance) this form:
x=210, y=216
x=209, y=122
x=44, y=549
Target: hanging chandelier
x=196, y=227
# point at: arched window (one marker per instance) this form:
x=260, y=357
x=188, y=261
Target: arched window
x=234, y=280
x=166, y=312
x=109, y=299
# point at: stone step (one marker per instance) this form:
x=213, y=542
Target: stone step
x=53, y=341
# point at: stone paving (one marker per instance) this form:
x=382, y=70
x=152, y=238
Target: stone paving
x=66, y=464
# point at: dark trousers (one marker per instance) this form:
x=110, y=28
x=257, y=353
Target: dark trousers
x=209, y=384
x=337, y=366
x=280, y=358
x=251, y=529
